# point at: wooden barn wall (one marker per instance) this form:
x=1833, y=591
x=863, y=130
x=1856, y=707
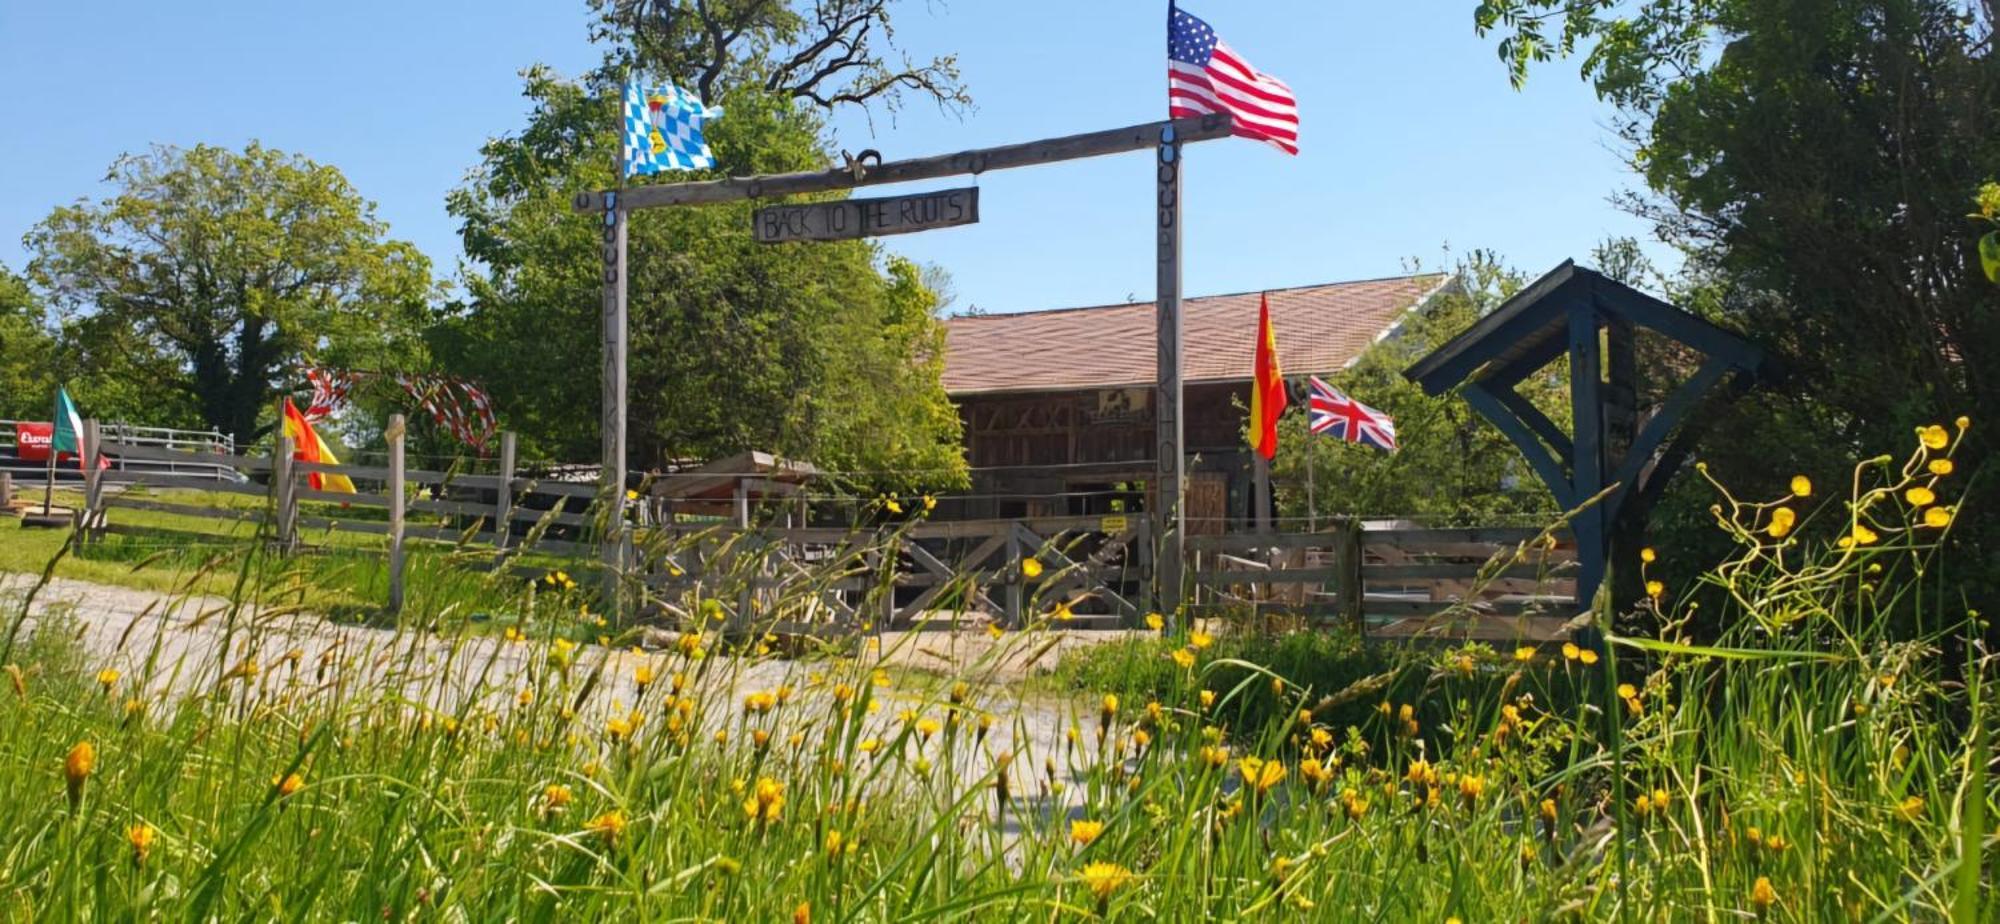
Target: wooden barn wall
x=1027, y=449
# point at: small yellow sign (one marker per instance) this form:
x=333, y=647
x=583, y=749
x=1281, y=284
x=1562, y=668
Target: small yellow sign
x=1115, y=524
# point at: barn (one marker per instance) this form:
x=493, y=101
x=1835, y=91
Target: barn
x=1057, y=405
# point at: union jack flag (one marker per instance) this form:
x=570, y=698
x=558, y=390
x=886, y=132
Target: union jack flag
x=1330, y=412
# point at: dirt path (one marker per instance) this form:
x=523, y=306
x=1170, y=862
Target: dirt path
x=184, y=645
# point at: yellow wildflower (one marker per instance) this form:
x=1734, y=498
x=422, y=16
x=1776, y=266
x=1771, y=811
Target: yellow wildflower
x=1863, y=535
x=1587, y=656
x=803, y=914
x=1762, y=895
x=1105, y=878
x=766, y=802
x=1801, y=486
x=289, y=784
x=556, y=797
x=1031, y=568
x=1911, y=808
x=1200, y=639
x=1648, y=556
x=141, y=836
x=1207, y=698
x=1937, y=517
x=1524, y=653
x=1155, y=621
x=1570, y=651
x=610, y=826
x=892, y=505
x=77, y=766
x=759, y=702
x=1782, y=520
x=1183, y=658
x=1083, y=832
x=1656, y=589
x=107, y=678
x=1941, y=467
x=926, y=727
x=1214, y=755
x=1261, y=775
x=1920, y=496
x=930, y=503
x=1934, y=437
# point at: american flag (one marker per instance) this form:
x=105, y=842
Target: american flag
x=1205, y=75
x=1328, y=411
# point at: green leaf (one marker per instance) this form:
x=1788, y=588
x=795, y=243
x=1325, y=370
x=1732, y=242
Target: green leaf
x=1989, y=255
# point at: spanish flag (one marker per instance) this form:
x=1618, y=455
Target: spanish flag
x=307, y=447
x=1267, y=387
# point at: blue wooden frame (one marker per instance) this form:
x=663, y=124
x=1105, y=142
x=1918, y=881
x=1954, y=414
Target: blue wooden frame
x=1561, y=314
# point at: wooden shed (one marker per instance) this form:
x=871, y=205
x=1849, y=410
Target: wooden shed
x=1058, y=405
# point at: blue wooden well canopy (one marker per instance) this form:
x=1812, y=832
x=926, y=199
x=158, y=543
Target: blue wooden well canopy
x=1613, y=457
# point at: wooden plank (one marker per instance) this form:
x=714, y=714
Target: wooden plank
x=194, y=483
x=1284, y=576
x=844, y=219
x=342, y=498
x=1375, y=607
x=974, y=162
x=1244, y=542
x=1493, y=628
x=1447, y=571
x=451, y=508
x=122, y=502
x=133, y=451
x=526, y=515
x=1404, y=538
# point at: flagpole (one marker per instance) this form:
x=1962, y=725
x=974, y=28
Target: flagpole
x=612, y=478
x=49, y=491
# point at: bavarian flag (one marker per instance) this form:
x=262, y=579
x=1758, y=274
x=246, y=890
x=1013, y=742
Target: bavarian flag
x=1267, y=386
x=308, y=447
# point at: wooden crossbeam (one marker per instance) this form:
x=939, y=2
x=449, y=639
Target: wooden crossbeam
x=974, y=162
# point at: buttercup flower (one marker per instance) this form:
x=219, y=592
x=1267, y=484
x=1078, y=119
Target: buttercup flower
x=1937, y=517
x=1082, y=832
x=1801, y=486
x=1934, y=437
x=1920, y=496
x=1782, y=520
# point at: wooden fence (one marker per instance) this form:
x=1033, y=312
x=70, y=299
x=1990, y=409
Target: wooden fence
x=1388, y=579
x=1394, y=579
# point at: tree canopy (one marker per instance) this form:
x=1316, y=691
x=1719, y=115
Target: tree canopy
x=27, y=352
x=825, y=351
x=1816, y=161
x=209, y=277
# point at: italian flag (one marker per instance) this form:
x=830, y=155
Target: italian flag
x=67, y=434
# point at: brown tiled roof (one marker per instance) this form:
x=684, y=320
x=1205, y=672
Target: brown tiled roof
x=1320, y=329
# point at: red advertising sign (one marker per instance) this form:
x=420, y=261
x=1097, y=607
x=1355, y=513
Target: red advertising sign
x=31, y=440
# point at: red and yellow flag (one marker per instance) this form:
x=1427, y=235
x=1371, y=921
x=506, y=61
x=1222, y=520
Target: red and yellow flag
x=1267, y=387
x=307, y=447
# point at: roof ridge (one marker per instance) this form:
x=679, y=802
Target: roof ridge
x=1072, y=309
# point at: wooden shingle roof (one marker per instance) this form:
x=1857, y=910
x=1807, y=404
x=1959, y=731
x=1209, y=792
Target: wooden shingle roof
x=1320, y=329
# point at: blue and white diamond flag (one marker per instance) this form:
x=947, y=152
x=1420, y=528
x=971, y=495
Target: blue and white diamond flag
x=663, y=130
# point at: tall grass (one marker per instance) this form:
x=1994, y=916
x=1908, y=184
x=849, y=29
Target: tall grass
x=248, y=762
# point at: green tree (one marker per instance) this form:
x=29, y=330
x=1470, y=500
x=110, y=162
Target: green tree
x=824, y=351
x=1814, y=159
x=1453, y=467
x=27, y=352
x=210, y=275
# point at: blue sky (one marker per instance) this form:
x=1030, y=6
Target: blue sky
x=1415, y=145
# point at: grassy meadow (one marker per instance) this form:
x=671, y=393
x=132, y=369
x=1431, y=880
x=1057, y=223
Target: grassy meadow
x=1809, y=765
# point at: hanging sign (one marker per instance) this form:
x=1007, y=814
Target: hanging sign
x=851, y=218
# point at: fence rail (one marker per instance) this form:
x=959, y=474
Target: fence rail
x=1388, y=579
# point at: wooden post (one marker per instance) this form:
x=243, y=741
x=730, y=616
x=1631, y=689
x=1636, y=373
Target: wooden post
x=397, y=498
x=503, y=507
x=1347, y=554
x=283, y=487
x=1587, y=408
x=93, y=481
x=612, y=480
x=1260, y=479
x=1016, y=580
x=6, y=489
x=1170, y=517
x=1312, y=503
